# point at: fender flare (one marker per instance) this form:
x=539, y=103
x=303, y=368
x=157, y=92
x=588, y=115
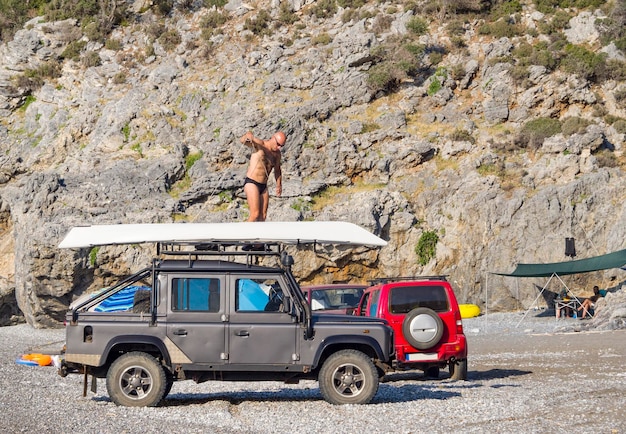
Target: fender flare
x=135, y=339
x=349, y=341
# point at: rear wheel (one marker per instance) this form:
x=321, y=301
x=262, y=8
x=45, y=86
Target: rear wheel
x=458, y=370
x=348, y=377
x=422, y=328
x=136, y=380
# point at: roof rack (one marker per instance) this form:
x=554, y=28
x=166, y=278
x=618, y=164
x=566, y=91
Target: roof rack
x=382, y=280
x=193, y=250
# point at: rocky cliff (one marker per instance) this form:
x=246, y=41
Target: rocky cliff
x=144, y=128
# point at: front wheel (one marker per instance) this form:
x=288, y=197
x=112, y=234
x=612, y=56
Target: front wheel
x=136, y=380
x=348, y=377
x=458, y=370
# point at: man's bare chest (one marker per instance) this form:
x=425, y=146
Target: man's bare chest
x=265, y=159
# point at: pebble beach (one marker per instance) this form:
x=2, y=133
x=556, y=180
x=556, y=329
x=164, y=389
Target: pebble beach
x=527, y=374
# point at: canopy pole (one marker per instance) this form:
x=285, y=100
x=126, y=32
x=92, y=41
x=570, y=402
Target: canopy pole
x=569, y=291
x=486, y=294
x=537, y=298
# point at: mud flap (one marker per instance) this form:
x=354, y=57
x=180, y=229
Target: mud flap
x=94, y=382
x=84, y=380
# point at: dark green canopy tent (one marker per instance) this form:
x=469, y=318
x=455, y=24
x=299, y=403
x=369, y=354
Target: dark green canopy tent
x=557, y=269
x=603, y=262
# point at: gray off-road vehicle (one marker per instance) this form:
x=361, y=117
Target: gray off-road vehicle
x=192, y=316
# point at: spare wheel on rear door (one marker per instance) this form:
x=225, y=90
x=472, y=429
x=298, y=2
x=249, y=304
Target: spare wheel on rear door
x=422, y=328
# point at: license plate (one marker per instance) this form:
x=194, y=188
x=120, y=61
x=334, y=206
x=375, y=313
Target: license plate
x=420, y=357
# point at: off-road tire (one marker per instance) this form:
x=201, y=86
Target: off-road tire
x=136, y=380
x=422, y=328
x=458, y=370
x=169, y=382
x=348, y=377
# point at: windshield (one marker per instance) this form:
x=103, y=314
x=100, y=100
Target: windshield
x=335, y=298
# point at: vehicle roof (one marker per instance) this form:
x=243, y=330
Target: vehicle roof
x=408, y=280
x=335, y=286
x=415, y=283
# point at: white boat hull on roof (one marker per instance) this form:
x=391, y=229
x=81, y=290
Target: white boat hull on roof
x=326, y=232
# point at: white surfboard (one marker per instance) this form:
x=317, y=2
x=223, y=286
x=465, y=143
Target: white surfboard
x=319, y=232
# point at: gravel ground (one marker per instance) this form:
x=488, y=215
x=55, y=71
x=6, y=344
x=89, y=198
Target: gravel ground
x=523, y=377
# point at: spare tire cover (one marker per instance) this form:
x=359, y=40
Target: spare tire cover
x=422, y=328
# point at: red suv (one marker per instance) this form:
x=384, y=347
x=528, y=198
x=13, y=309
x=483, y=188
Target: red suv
x=425, y=316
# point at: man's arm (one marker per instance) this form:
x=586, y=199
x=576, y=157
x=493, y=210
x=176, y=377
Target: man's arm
x=278, y=175
x=248, y=139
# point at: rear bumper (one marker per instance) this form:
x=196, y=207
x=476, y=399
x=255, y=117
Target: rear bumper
x=443, y=354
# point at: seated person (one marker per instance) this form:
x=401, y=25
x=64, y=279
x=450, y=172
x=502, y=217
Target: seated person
x=590, y=303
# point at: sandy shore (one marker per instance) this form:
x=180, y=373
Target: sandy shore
x=523, y=378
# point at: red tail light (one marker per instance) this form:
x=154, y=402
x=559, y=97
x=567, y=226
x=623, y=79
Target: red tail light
x=459, y=322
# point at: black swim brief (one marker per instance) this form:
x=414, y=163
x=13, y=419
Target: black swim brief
x=260, y=186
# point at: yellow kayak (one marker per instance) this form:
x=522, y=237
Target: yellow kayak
x=469, y=310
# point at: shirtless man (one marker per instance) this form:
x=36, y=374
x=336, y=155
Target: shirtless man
x=265, y=157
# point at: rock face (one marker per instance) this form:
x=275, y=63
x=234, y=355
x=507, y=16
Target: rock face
x=149, y=135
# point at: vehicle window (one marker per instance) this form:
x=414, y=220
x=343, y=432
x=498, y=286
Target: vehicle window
x=124, y=300
x=335, y=298
x=196, y=294
x=258, y=295
x=403, y=299
x=373, y=309
x=363, y=307
x=131, y=295
x=319, y=300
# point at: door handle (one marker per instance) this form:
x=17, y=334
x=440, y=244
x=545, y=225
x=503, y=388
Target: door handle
x=180, y=332
x=243, y=333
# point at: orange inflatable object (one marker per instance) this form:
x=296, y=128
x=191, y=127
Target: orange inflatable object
x=40, y=359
